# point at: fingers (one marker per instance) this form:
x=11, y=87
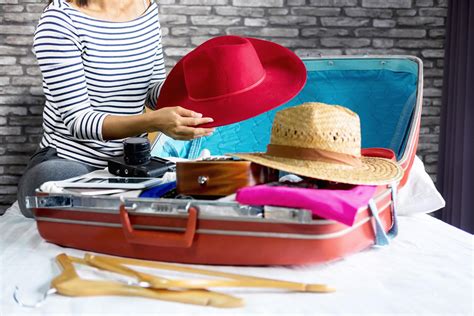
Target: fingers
x=192, y=121
x=187, y=113
x=186, y=132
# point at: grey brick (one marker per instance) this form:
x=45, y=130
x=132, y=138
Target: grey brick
x=21, y=148
x=175, y=41
x=173, y=19
x=345, y=22
x=19, y=40
x=318, y=52
x=35, y=110
x=204, y=2
x=20, y=100
x=432, y=53
x=25, y=121
x=293, y=20
x=194, y=31
x=255, y=22
x=21, y=17
x=295, y=42
x=13, y=90
x=420, y=43
x=14, y=139
x=384, y=23
x=12, y=110
x=28, y=60
x=437, y=33
x=26, y=81
x=9, y=179
x=371, y=13
x=9, y=50
x=174, y=51
x=258, y=3
x=316, y=11
x=35, y=7
x=296, y=2
x=420, y=21
x=323, y=32
x=345, y=42
x=264, y=32
x=382, y=43
x=424, y=3
x=4, y=81
x=187, y=10
x=4, y=60
x=17, y=29
x=434, y=12
x=333, y=3
x=8, y=130
x=409, y=12
x=237, y=11
x=399, y=32
x=198, y=40
x=214, y=20
x=432, y=92
x=36, y=91
x=8, y=189
x=13, y=8
x=387, y=3
x=11, y=70
x=278, y=11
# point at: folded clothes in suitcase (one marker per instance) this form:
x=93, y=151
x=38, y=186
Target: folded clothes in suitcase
x=386, y=93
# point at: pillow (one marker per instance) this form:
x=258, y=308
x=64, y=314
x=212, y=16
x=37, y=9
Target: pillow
x=419, y=195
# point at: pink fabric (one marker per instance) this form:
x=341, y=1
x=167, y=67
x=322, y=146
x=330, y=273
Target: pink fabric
x=338, y=205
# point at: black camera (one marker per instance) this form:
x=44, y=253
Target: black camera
x=137, y=161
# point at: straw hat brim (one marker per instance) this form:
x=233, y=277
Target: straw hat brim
x=372, y=171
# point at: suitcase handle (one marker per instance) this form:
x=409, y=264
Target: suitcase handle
x=159, y=239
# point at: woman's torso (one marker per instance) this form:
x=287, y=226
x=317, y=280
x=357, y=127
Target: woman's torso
x=120, y=61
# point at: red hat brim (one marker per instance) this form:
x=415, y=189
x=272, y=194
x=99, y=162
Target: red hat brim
x=285, y=77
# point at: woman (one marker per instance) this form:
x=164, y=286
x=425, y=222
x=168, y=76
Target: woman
x=101, y=62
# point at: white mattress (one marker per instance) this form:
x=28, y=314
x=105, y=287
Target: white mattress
x=428, y=269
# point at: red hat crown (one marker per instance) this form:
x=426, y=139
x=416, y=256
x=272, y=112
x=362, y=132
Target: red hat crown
x=222, y=67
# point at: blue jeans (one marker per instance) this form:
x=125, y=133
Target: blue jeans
x=44, y=166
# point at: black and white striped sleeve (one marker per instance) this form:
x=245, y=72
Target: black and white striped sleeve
x=158, y=77
x=58, y=51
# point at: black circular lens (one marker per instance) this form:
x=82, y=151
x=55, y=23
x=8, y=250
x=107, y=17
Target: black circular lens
x=136, y=151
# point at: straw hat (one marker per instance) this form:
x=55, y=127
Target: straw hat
x=323, y=141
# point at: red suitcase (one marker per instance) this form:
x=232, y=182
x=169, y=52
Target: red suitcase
x=226, y=233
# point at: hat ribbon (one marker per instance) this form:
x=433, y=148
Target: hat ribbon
x=302, y=153
x=230, y=94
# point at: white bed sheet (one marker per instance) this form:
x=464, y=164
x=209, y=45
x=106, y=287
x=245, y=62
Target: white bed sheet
x=428, y=269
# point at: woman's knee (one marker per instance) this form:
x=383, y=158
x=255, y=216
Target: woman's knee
x=50, y=170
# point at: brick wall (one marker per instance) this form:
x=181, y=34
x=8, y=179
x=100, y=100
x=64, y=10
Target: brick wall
x=309, y=27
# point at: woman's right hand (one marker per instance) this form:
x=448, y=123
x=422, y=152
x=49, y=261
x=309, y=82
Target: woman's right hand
x=180, y=123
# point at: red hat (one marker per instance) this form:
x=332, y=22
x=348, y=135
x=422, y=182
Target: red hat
x=232, y=78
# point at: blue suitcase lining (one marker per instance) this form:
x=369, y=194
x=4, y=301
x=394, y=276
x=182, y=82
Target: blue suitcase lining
x=382, y=91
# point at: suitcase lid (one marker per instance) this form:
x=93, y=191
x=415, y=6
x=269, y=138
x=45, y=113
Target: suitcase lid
x=386, y=92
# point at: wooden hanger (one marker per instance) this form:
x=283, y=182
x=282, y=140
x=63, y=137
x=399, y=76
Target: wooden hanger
x=69, y=283
x=116, y=265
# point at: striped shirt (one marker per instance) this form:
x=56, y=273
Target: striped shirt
x=93, y=68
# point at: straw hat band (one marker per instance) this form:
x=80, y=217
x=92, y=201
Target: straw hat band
x=303, y=153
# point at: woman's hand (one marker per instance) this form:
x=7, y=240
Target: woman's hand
x=175, y=122
x=179, y=123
